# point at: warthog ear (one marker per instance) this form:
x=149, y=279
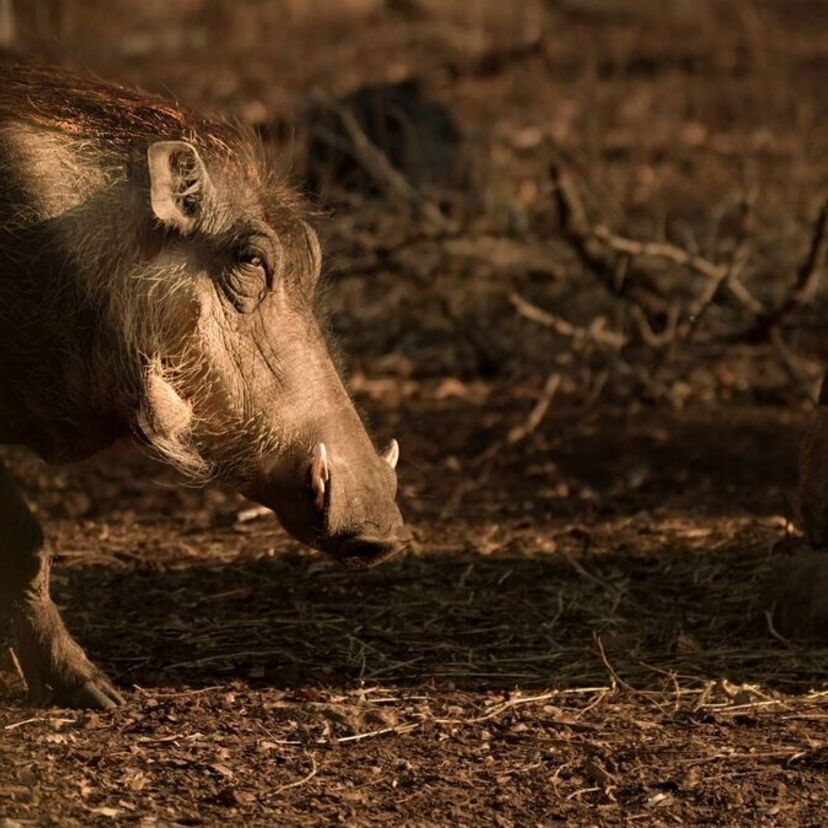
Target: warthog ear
x=179, y=183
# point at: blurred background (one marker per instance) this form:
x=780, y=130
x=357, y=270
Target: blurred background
x=693, y=122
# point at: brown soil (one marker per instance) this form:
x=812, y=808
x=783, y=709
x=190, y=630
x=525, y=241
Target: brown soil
x=575, y=639
x=578, y=636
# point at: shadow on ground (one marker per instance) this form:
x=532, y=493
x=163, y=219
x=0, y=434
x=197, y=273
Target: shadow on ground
x=500, y=622
x=608, y=549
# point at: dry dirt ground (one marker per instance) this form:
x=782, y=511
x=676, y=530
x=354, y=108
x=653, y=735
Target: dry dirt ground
x=577, y=636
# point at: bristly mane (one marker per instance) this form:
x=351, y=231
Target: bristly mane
x=82, y=105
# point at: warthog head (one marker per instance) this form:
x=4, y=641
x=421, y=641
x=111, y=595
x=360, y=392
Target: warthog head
x=238, y=382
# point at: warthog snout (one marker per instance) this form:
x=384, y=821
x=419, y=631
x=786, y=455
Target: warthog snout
x=365, y=551
x=340, y=501
x=354, y=502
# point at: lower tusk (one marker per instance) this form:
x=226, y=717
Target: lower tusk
x=320, y=474
x=392, y=454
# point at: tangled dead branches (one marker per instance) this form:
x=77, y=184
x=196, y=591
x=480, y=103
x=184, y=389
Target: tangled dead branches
x=659, y=294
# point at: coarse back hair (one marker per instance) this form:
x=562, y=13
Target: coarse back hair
x=114, y=121
x=80, y=104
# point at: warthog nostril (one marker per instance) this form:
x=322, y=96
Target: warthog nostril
x=362, y=551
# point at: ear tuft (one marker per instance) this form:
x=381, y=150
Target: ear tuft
x=179, y=183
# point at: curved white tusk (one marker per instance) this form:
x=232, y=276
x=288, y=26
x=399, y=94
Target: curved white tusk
x=320, y=474
x=392, y=454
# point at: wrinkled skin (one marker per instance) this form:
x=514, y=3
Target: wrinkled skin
x=154, y=282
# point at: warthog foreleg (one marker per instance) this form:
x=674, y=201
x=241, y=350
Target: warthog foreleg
x=55, y=667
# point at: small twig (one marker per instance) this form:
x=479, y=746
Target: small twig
x=303, y=781
x=772, y=628
x=536, y=415
x=714, y=290
x=736, y=265
x=595, y=333
x=595, y=389
x=358, y=737
x=521, y=432
x=615, y=679
x=499, y=709
x=648, y=335
x=17, y=666
x=15, y=725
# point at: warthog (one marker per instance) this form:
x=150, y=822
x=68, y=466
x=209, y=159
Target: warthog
x=156, y=280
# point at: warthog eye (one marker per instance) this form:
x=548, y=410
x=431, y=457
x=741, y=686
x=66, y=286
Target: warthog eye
x=253, y=260
x=249, y=279
x=252, y=265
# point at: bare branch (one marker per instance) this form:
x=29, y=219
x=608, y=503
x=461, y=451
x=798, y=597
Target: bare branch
x=650, y=337
x=697, y=314
x=587, y=242
x=807, y=281
x=791, y=364
x=577, y=231
x=665, y=251
x=595, y=332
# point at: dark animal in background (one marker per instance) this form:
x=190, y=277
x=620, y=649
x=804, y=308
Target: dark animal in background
x=417, y=135
x=156, y=281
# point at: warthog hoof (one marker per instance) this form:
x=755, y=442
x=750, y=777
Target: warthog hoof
x=796, y=596
x=54, y=665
